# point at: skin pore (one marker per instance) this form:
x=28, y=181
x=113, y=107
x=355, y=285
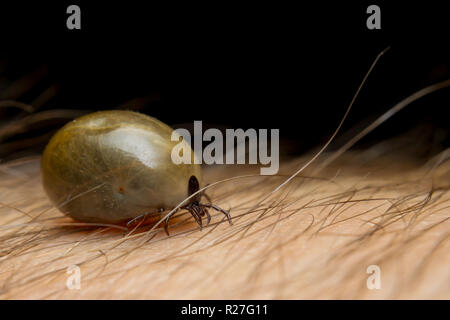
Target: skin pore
x=316, y=238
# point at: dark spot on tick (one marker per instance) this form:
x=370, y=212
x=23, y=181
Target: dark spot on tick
x=193, y=185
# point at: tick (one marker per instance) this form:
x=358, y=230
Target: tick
x=116, y=166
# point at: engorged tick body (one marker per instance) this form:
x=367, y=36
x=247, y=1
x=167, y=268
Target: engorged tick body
x=113, y=166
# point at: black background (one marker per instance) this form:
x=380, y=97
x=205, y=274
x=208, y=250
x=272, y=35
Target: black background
x=290, y=66
x=276, y=308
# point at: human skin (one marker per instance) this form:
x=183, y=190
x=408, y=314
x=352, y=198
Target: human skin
x=315, y=238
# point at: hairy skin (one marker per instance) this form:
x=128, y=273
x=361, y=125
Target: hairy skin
x=315, y=238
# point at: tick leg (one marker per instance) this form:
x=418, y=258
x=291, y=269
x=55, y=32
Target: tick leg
x=142, y=216
x=166, y=224
x=226, y=213
x=208, y=216
x=202, y=212
x=194, y=210
x=198, y=210
x=129, y=223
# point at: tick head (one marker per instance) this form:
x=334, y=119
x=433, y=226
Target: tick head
x=194, y=186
